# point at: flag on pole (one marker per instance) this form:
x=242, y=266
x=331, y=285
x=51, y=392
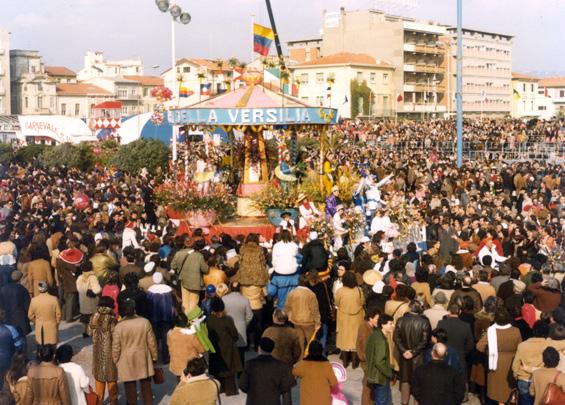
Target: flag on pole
x=262, y=39
x=184, y=91
x=516, y=94
x=205, y=89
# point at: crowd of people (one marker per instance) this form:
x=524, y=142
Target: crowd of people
x=451, y=287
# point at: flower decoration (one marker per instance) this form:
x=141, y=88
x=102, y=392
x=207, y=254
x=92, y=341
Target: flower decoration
x=161, y=93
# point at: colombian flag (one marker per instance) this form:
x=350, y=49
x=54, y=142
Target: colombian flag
x=262, y=39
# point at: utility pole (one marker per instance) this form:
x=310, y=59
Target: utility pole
x=459, y=95
x=277, y=40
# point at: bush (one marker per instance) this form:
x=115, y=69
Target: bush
x=6, y=153
x=148, y=153
x=78, y=156
x=28, y=153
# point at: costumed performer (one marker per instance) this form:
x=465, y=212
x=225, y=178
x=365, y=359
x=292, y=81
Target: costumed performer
x=204, y=173
x=332, y=201
x=339, y=229
x=308, y=211
x=285, y=171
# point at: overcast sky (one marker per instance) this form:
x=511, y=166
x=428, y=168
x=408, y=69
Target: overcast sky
x=63, y=30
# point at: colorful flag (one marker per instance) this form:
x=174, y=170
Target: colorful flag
x=185, y=91
x=205, y=89
x=262, y=39
x=399, y=98
x=516, y=94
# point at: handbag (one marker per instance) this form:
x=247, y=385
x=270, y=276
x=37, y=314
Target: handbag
x=513, y=397
x=158, y=377
x=553, y=394
x=91, y=397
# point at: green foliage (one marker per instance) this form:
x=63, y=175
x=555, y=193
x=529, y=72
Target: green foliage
x=78, y=156
x=106, y=151
x=148, y=153
x=6, y=153
x=27, y=153
x=359, y=91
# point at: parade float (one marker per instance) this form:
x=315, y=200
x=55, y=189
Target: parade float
x=250, y=112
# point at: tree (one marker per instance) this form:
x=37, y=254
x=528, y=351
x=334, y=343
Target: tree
x=360, y=94
x=220, y=66
x=233, y=64
x=6, y=153
x=67, y=154
x=148, y=153
x=30, y=152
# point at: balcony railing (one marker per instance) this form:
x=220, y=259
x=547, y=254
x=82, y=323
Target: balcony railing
x=421, y=68
x=421, y=87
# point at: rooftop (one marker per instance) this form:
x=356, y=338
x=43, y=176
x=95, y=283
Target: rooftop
x=59, y=71
x=552, y=82
x=80, y=89
x=146, y=80
x=346, y=58
x=521, y=76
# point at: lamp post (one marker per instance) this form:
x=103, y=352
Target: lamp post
x=459, y=95
x=181, y=17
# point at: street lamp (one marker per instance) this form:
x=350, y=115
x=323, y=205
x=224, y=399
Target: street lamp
x=183, y=18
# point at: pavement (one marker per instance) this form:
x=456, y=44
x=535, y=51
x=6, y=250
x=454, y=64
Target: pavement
x=71, y=333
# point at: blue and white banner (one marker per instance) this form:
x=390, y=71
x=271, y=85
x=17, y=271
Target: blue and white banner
x=253, y=116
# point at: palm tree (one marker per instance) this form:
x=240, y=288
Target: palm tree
x=232, y=63
x=220, y=66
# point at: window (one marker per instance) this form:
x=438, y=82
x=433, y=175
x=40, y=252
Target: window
x=304, y=78
x=122, y=93
x=51, y=102
x=186, y=69
x=542, y=107
x=561, y=93
x=63, y=109
x=540, y=91
x=136, y=70
x=133, y=92
x=124, y=110
x=532, y=87
x=385, y=102
x=77, y=109
x=359, y=76
x=319, y=78
x=27, y=102
x=178, y=69
x=373, y=77
x=385, y=78
x=319, y=100
x=39, y=87
x=145, y=91
x=524, y=87
x=40, y=102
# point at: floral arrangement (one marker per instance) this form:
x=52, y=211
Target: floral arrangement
x=323, y=227
x=158, y=116
x=400, y=214
x=184, y=196
x=161, y=93
x=275, y=197
x=354, y=221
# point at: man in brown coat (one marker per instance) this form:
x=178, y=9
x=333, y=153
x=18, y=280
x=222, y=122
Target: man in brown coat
x=134, y=350
x=365, y=330
x=45, y=312
x=288, y=347
x=547, y=374
x=303, y=311
x=38, y=270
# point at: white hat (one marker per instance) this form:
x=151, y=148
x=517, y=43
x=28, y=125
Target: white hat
x=378, y=287
x=313, y=235
x=148, y=268
x=157, y=278
x=450, y=268
x=364, y=239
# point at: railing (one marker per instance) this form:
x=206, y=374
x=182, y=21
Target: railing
x=549, y=152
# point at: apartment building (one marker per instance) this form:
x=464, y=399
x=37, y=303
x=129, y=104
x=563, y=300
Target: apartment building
x=305, y=50
x=128, y=92
x=5, y=106
x=525, y=97
x=33, y=91
x=326, y=82
x=487, y=72
x=553, y=91
x=77, y=99
x=96, y=66
x=61, y=74
x=412, y=47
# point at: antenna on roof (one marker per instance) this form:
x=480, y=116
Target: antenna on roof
x=396, y=7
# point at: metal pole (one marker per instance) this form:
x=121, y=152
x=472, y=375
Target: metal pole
x=175, y=89
x=459, y=95
x=277, y=40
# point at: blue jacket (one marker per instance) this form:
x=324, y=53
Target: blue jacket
x=7, y=347
x=280, y=286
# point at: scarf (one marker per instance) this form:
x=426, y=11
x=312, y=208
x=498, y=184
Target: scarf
x=493, y=345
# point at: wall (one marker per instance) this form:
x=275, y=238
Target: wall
x=5, y=102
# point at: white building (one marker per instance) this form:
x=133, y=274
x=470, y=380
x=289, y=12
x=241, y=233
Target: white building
x=96, y=66
x=192, y=73
x=77, y=99
x=487, y=72
x=553, y=91
x=5, y=106
x=327, y=81
x=33, y=91
x=127, y=92
x=61, y=74
x=524, y=96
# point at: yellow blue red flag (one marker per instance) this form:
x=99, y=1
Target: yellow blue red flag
x=262, y=39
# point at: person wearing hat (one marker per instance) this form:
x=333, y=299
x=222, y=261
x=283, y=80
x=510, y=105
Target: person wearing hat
x=349, y=301
x=147, y=280
x=134, y=350
x=209, y=294
x=38, y=270
x=44, y=311
x=338, y=225
x=15, y=300
x=88, y=289
x=129, y=236
x=308, y=211
x=183, y=344
x=161, y=311
x=196, y=386
x=225, y=362
x=264, y=378
x=287, y=223
x=67, y=267
x=332, y=201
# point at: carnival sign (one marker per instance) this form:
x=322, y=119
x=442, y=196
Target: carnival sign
x=253, y=116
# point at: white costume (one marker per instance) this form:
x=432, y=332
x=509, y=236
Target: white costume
x=373, y=194
x=339, y=230
x=496, y=258
x=308, y=213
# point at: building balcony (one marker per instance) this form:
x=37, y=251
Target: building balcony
x=424, y=108
x=423, y=48
x=421, y=68
x=423, y=87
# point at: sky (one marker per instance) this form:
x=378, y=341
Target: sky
x=63, y=30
